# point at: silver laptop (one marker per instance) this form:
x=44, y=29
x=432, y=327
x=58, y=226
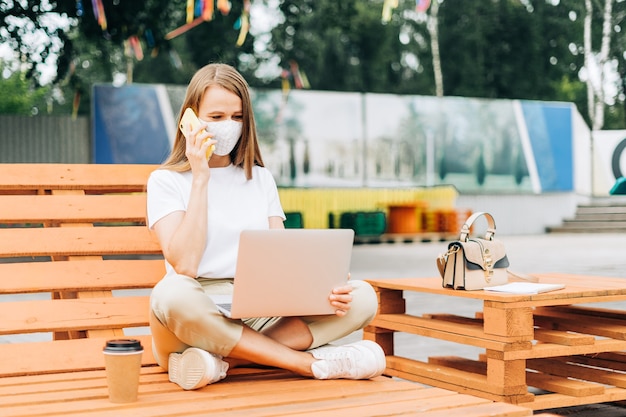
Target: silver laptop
x=288, y=272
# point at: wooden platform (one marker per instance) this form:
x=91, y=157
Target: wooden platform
x=73, y=242
x=243, y=393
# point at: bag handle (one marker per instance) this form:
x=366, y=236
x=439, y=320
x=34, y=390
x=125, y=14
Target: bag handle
x=491, y=226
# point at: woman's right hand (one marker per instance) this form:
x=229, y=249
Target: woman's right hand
x=198, y=142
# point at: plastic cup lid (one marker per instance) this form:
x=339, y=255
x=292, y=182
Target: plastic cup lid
x=123, y=345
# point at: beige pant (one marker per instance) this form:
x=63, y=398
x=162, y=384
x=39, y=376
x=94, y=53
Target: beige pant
x=183, y=315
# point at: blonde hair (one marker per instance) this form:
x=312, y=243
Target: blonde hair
x=246, y=153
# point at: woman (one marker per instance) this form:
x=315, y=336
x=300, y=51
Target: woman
x=197, y=208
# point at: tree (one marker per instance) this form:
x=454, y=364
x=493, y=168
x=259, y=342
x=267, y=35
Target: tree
x=344, y=46
x=120, y=39
x=19, y=97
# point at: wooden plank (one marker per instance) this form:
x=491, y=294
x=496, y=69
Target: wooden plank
x=445, y=330
x=94, y=275
x=452, y=375
x=563, y=385
x=579, y=289
x=91, y=177
x=591, y=312
x=499, y=373
x=561, y=368
x=546, y=350
x=483, y=410
x=615, y=329
x=74, y=314
x=73, y=208
x=57, y=241
x=598, y=361
x=240, y=395
x=563, y=338
x=549, y=401
x=452, y=318
x=58, y=356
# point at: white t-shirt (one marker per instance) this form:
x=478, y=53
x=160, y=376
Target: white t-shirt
x=234, y=203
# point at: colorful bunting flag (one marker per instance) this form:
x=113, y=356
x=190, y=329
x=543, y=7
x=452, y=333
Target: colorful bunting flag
x=422, y=5
x=190, y=11
x=243, y=23
x=98, y=12
x=75, y=104
x=136, y=47
x=388, y=7
x=299, y=79
x=207, y=10
x=223, y=6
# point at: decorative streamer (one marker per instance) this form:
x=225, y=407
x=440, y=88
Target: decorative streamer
x=388, y=7
x=102, y=19
x=75, y=104
x=149, y=38
x=422, y=5
x=243, y=23
x=223, y=6
x=136, y=46
x=190, y=9
x=184, y=28
x=299, y=79
x=207, y=10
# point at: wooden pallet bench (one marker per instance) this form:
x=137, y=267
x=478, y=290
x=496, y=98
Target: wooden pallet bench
x=76, y=266
x=541, y=351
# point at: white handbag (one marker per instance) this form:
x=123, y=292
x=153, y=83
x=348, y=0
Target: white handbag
x=474, y=263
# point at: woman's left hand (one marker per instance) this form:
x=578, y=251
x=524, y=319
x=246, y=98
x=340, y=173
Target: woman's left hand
x=341, y=298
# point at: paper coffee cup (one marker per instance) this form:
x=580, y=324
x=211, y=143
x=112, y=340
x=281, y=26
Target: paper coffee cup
x=122, y=360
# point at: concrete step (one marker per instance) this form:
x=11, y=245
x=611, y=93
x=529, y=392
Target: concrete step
x=589, y=226
x=601, y=216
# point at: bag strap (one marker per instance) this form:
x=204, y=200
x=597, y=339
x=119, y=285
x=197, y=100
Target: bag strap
x=491, y=226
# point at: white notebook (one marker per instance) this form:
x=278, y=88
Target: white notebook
x=525, y=287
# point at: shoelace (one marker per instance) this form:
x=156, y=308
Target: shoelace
x=342, y=362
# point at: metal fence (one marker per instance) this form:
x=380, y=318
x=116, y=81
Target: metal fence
x=59, y=139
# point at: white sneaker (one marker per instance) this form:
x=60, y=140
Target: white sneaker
x=360, y=360
x=195, y=368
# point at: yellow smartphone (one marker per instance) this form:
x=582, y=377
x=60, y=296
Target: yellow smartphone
x=190, y=118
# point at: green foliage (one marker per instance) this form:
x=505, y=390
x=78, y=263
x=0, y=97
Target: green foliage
x=19, y=97
x=344, y=46
x=517, y=49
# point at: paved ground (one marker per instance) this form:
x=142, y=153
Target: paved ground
x=597, y=254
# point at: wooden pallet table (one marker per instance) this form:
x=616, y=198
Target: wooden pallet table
x=541, y=351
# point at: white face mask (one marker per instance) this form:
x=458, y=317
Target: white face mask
x=226, y=133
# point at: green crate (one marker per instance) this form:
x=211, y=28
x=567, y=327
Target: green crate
x=364, y=223
x=293, y=220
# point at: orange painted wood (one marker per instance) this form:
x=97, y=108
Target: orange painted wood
x=579, y=289
x=565, y=333
x=59, y=356
x=92, y=275
x=73, y=314
x=242, y=393
x=563, y=385
x=73, y=208
x=26, y=178
x=57, y=241
x=563, y=338
x=442, y=329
